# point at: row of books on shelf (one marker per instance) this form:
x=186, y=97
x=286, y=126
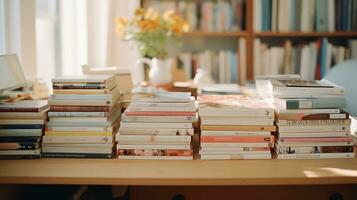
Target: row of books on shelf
x=224, y=66
x=210, y=16
x=312, y=60
x=305, y=15
x=290, y=119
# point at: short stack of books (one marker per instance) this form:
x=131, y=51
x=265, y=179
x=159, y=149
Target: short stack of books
x=158, y=126
x=236, y=127
x=21, y=128
x=311, y=121
x=83, y=118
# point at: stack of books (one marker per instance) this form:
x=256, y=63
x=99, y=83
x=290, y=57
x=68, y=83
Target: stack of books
x=158, y=126
x=236, y=127
x=83, y=117
x=311, y=122
x=21, y=128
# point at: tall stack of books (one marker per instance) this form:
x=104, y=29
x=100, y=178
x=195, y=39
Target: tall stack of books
x=83, y=117
x=236, y=127
x=21, y=128
x=311, y=122
x=158, y=126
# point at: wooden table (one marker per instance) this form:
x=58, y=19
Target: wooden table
x=197, y=172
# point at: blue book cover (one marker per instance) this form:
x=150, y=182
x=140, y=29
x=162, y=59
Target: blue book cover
x=323, y=57
x=293, y=17
x=344, y=15
x=266, y=15
x=234, y=67
x=321, y=15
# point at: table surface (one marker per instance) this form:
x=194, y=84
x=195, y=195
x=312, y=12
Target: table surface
x=197, y=172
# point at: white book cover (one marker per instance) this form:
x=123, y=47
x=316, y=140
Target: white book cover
x=155, y=146
x=77, y=139
x=236, y=121
x=155, y=125
x=225, y=152
x=304, y=144
x=82, y=96
x=225, y=145
x=236, y=157
x=274, y=15
x=257, y=15
x=79, y=128
x=184, y=119
x=20, y=152
x=257, y=57
x=155, y=157
x=235, y=133
x=84, y=79
x=304, y=129
x=76, y=150
x=153, y=138
x=313, y=134
x=331, y=15
x=316, y=156
x=310, y=111
x=283, y=17
x=155, y=131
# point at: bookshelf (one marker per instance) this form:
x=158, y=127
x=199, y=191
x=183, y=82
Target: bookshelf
x=249, y=34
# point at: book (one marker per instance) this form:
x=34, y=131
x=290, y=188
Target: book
x=56, y=108
x=23, y=115
x=77, y=150
x=155, y=146
x=104, y=79
x=155, y=131
x=313, y=128
x=236, y=157
x=235, y=133
x=235, y=145
x=18, y=145
x=311, y=103
x=152, y=139
x=54, y=102
x=126, y=118
x=83, y=91
x=77, y=139
x=314, y=134
x=76, y=155
x=154, y=152
x=315, y=149
x=125, y=157
x=237, y=139
x=236, y=121
x=155, y=125
x=25, y=106
x=329, y=122
x=159, y=113
x=234, y=105
x=316, y=156
x=77, y=133
x=271, y=128
x=307, y=116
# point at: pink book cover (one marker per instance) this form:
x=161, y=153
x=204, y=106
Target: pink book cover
x=318, y=139
x=159, y=113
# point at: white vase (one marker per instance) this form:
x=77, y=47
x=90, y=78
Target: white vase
x=160, y=70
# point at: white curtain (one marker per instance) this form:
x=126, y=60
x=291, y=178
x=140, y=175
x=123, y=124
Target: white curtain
x=66, y=36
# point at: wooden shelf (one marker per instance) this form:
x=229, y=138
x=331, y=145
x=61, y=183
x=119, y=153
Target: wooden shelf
x=217, y=34
x=305, y=34
x=197, y=172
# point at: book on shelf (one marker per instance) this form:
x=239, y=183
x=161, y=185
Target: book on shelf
x=304, y=15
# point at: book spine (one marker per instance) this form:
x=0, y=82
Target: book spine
x=314, y=128
x=315, y=149
x=236, y=157
x=78, y=139
x=313, y=116
x=21, y=126
x=77, y=155
x=79, y=103
x=86, y=129
x=314, y=122
x=316, y=103
x=329, y=139
x=18, y=145
x=158, y=113
x=12, y=109
x=77, y=87
x=154, y=152
x=316, y=156
x=77, y=114
x=154, y=131
x=155, y=125
x=232, y=139
x=158, y=119
x=238, y=128
x=79, y=108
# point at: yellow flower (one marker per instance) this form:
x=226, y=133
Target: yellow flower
x=185, y=27
x=120, y=25
x=167, y=15
x=139, y=12
x=151, y=14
